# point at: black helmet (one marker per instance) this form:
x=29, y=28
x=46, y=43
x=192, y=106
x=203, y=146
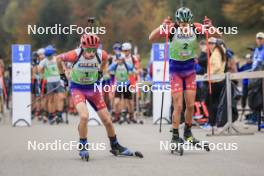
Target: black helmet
x=183, y=14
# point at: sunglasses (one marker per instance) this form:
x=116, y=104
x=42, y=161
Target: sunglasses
x=259, y=38
x=90, y=50
x=211, y=43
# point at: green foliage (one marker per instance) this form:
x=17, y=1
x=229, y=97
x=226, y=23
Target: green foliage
x=125, y=20
x=53, y=12
x=247, y=13
x=10, y=17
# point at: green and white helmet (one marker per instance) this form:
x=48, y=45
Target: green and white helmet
x=183, y=14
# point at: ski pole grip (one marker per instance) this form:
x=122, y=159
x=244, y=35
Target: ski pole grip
x=205, y=19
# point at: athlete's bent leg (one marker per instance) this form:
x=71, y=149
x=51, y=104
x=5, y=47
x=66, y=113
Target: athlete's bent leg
x=60, y=101
x=116, y=148
x=106, y=119
x=83, y=113
x=177, y=105
x=177, y=98
x=51, y=108
x=118, y=108
x=190, y=95
x=60, y=96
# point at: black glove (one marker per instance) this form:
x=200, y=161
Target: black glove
x=64, y=80
x=100, y=75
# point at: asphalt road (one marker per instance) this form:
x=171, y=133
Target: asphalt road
x=17, y=160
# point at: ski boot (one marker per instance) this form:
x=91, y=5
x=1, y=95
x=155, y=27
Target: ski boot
x=119, y=150
x=83, y=153
x=176, y=145
x=188, y=137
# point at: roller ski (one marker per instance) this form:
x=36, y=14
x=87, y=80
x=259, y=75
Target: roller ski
x=118, y=150
x=83, y=153
x=177, y=145
x=189, y=139
x=176, y=142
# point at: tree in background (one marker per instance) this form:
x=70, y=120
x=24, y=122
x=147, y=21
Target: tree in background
x=28, y=17
x=132, y=21
x=125, y=20
x=247, y=13
x=9, y=20
x=53, y=12
x=81, y=10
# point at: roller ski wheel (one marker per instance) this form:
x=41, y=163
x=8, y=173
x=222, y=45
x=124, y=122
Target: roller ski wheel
x=178, y=146
x=84, y=155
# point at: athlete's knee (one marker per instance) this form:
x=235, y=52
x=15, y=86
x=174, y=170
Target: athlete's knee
x=178, y=108
x=107, y=122
x=49, y=96
x=61, y=96
x=83, y=121
x=83, y=117
x=117, y=100
x=190, y=107
x=106, y=119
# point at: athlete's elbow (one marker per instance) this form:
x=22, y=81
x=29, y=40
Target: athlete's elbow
x=152, y=37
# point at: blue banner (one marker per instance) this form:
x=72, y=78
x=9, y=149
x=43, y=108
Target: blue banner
x=22, y=87
x=21, y=53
